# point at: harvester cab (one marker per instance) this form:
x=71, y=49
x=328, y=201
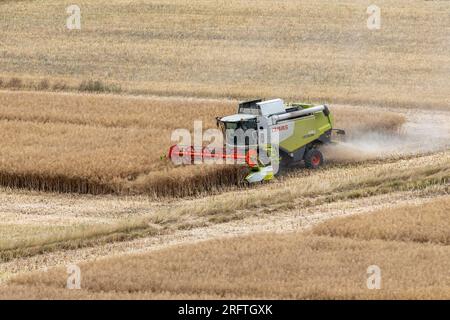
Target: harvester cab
x=270, y=135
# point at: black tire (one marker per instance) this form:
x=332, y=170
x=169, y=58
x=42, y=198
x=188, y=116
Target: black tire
x=313, y=159
x=284, y=163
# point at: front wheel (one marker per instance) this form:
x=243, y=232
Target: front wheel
x=313, y=159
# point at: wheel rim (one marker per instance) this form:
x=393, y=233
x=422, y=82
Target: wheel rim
x=315, y=160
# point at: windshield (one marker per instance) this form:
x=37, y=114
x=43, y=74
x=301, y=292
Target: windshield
x=248, y=136
x=244, y=125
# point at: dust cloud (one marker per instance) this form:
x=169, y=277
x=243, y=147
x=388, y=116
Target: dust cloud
x=423, y=132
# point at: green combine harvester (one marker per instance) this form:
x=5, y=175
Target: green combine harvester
x=268, y=136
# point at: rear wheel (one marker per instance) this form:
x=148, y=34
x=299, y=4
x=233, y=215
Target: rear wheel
x=313, y=159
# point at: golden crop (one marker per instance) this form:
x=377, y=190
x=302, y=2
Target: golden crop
x=317, y=51
x=324, y=264
x=155, y=67
x=114, y=144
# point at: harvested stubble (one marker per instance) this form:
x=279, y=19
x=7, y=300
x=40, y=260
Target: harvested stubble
x=113, y=144
x=272, y=266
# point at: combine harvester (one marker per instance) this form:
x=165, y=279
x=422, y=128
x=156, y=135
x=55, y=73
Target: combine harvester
x=268, y=136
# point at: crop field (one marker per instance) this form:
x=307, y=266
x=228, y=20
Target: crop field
x=87, y=117
x=44, y=229
x=102, y=144
x=298, y=50
x=289, y=265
